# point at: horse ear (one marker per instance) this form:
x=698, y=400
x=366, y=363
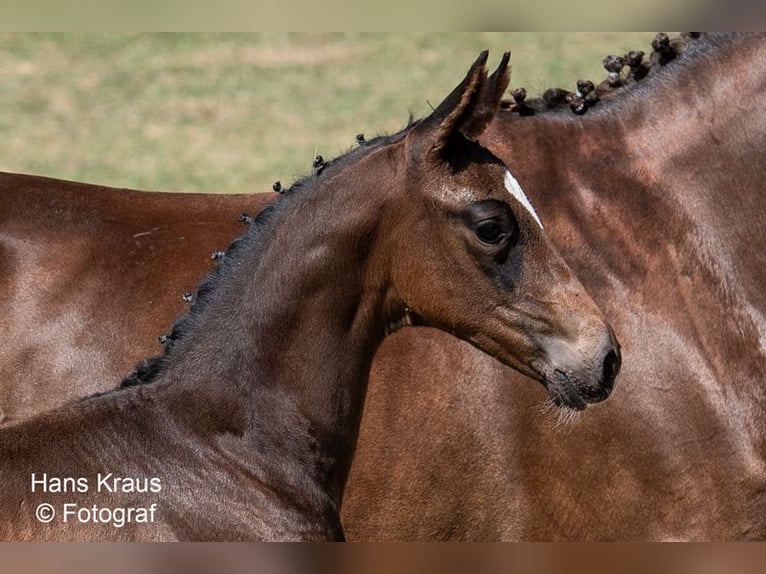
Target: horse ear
x=489, y=102
x=466, y=111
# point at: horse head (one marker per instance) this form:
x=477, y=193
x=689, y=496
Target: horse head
x=473, y=258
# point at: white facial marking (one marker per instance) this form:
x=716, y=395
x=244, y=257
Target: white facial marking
x=515, y=190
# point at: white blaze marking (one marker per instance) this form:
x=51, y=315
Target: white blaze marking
x=515, y=190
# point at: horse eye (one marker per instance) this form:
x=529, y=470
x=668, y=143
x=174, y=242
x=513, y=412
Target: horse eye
x=489, y=231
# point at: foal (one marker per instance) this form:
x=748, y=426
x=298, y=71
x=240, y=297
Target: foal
x=249, y=426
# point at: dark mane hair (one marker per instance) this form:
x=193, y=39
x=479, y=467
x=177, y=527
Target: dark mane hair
x=149, y=370
x=627, y=74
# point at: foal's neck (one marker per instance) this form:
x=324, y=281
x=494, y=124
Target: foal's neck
x=282, y=351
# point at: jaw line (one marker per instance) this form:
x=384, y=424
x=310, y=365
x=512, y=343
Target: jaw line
x=532, y=369
x=557, y=389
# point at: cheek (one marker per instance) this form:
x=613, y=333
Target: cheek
x=440, y=270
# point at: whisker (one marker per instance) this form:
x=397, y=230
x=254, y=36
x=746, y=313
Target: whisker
x=559, y=417
x=567, y=418
x=548, y=406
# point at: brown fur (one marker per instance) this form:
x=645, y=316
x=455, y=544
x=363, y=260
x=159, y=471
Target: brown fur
x=250, y=420
x=85, y=281
x=654, y=197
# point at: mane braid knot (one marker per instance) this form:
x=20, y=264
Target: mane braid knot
x=318, y=164
x=664, y=51
x=614, y=65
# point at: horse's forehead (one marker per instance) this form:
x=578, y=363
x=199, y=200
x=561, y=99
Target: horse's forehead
x=469, y=190
x=474, y=190
x=471, y=185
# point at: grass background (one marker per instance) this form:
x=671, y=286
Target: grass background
x=235, y=112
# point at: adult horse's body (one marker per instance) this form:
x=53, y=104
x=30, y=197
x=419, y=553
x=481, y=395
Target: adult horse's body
x=91, y=276
x=246, y=427
x=656, y=201
x=656, y=198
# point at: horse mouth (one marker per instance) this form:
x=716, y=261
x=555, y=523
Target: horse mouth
x=567, y=393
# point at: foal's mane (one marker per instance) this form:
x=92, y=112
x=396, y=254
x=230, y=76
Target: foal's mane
x=149, y=370
x=628, y=75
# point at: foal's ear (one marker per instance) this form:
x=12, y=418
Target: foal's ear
x=466, y=112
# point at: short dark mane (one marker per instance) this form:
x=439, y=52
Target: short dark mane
x=628, y=75
x=149, y=370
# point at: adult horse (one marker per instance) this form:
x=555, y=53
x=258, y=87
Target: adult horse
x=246, y=427
x=656, y=198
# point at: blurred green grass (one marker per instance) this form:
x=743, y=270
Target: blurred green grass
x=234, y=112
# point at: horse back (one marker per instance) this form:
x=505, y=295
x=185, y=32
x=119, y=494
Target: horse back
x=85, y=267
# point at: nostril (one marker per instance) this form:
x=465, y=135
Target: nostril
x=611, y=368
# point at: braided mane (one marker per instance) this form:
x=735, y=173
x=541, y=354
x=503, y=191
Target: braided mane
x=623, y=72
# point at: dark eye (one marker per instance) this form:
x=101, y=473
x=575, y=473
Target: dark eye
x=493, y=224
x=489, y=231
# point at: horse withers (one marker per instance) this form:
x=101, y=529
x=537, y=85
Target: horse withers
x=245, y=428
